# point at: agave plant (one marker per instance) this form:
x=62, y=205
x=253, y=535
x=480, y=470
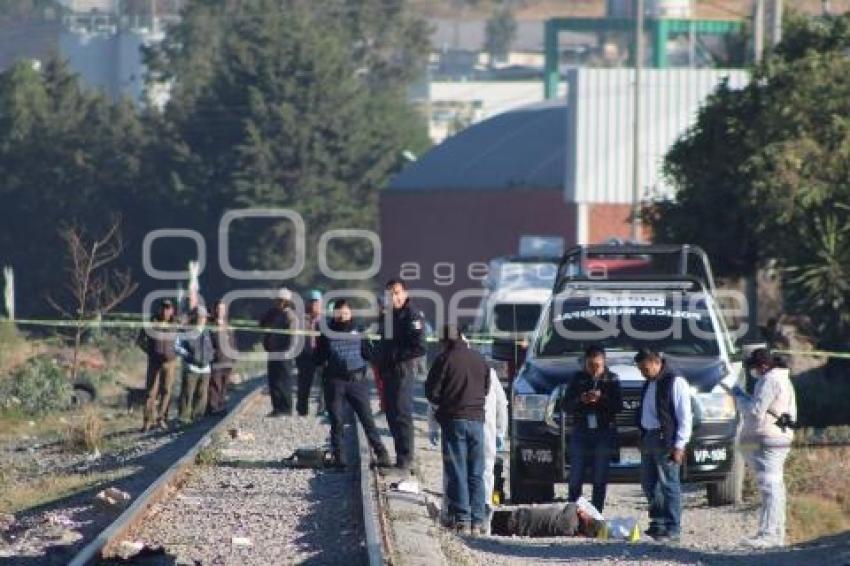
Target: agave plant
x=818, y=281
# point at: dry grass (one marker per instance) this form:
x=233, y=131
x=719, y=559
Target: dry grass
x=21, y=495
x=86, y=431
x=818, y=481
x=14, y=348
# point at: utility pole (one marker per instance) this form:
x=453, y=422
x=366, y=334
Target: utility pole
x=773, y=22
x=767, y=26
x=758, y=31
x=638, y=53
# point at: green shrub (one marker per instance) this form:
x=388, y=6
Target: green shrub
x=36, y=388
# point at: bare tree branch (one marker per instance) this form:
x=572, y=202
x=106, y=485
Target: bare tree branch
x=93, y=288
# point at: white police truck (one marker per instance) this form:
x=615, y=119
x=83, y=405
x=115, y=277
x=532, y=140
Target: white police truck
x=662, y=297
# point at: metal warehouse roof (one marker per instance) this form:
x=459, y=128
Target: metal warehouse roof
x=524, y=148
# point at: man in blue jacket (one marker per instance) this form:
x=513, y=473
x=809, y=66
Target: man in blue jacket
x=340, y=353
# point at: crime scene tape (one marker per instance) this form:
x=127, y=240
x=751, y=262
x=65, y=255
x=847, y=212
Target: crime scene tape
x=251, y=326
x=814, y=353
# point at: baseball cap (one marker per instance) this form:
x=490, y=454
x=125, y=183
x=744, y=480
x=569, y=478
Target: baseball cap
x=284, y=293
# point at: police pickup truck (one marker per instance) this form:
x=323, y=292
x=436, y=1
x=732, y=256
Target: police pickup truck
x=663, y=305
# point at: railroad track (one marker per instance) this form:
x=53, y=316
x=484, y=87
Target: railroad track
x=161, y=498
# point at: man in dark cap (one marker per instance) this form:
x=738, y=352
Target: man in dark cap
x=664, y=420
x=457, y=386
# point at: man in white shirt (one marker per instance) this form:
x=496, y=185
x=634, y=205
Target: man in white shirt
x=664, y=420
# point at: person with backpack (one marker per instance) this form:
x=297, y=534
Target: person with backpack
x=281, y=319
x=195, y=346
x=158, y=343
x=339, y=350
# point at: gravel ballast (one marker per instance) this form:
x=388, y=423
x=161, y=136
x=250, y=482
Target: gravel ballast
x=54, y=532
x=711, y=535
x=245, y=507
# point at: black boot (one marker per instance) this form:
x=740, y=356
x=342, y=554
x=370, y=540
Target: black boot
x=337, y=461
x=382, y=457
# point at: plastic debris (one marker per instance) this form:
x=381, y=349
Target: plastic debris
x=240, y=541
x=242, y=436
x=112, y=496
x=406, y=486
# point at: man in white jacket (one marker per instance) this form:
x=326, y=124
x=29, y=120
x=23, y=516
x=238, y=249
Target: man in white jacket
x=495, y=430
x=766, y=441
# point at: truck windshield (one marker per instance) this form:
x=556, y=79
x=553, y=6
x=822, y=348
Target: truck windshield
x=571, y=327
x=516, y=317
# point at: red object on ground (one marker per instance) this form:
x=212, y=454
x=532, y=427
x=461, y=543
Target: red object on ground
x=379, y=383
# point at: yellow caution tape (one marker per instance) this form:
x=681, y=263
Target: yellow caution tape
x=814, y=353
x=247, y=325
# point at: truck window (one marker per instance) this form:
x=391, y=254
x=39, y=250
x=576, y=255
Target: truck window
x=675, y=332
x=516, y=317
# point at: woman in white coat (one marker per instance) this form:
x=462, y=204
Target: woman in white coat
x=495, y=429
x=766, y=442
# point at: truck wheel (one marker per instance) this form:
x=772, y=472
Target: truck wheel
x=524, y=492
x=730, y=490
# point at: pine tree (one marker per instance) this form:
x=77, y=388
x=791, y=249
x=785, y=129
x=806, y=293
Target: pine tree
x=304, y=109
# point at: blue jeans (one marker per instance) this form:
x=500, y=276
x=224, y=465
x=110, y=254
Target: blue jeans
x=591, y=447
x=659, y=477
x=463, y=469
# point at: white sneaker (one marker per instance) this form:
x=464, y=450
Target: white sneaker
x=761, y=541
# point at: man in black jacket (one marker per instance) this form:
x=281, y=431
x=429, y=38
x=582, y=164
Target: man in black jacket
x=593, y=400
x=282, y=319
x=399, y=357
x=158, y=343
x=339, y=352
x=457, y=385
